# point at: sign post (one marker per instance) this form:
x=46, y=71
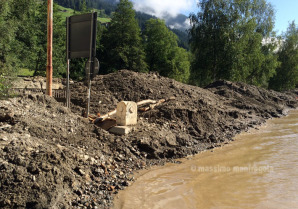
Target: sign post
x=91, y=58
x=68, y=63
x=81, y=42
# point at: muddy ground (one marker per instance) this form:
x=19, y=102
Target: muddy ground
x=51, y=157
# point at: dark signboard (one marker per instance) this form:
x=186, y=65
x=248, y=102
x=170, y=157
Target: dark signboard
x=81, y=42
x=81, y=35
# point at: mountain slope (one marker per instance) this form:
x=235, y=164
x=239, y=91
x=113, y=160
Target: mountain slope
x=105, y=8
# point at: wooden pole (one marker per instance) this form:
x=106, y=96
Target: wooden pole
x=50, y=49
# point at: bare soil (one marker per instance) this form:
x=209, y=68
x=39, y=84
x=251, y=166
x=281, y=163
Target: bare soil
x=51, y=157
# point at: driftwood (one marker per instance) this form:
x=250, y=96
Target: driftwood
x=144, y=109
x=106, y=116
x=153, y=104
x=148, y=101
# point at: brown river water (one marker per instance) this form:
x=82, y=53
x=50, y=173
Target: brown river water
x=258, y=170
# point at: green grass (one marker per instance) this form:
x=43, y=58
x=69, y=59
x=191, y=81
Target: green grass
x=104, y=20
x=25, y=72
x=67, y=12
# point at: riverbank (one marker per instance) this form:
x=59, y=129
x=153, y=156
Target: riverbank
x=257, y=170
x=52, y=157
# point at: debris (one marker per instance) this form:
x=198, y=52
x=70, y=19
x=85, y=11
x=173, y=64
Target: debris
x=5, y=126
x=3, y=138
x=6, y=116
x=144, y=109
x=104, y=117
x=111, y=188
x=146, y=102
x=106, y=124
x=80, y=171
x=153, y=103
x=120, y=130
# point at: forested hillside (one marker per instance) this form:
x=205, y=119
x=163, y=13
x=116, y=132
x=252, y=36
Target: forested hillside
x=106, y=7
x=230, y=45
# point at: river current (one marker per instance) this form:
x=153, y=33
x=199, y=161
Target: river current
x=258, y=170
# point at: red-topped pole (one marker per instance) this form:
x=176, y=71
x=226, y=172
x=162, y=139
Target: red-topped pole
x=50, y=48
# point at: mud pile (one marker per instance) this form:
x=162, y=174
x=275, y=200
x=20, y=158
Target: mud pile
x=52, y=157
x=198, y=118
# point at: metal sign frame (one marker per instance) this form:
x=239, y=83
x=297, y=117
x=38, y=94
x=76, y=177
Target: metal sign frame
x=81, y=42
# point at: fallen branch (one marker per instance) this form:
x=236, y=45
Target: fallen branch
x=157, y=103
x=146, y=102
x=104, y=117
x=144, y=109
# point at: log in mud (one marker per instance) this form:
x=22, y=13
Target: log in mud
x=51, y=157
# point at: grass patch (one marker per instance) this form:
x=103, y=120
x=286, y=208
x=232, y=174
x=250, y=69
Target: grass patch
x=25, y=72
x=67, y=12
x=104, y=20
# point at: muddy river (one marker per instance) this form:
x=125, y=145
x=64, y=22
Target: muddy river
x=258, y=170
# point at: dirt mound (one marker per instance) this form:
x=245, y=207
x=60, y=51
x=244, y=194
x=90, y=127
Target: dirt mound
x=195, y=119
x=52, y=157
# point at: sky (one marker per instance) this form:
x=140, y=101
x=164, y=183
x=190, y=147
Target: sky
x=286, y=10
x=160, y=7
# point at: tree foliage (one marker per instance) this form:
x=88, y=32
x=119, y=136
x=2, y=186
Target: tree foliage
x=59, y=40
x=23, y=32
x=15, y=18
x=287, y=73
x=17, y=43
x=231, y=40
x=227, y=42
x=163, y=54
x=123, y=48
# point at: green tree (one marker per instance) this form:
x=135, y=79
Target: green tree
x=59, y=40
x=227, y=41
x=209, y=39
x=7, y=30
x=17, y=42
x=180, y=66
x=17, y=38
x=83, y=6
x=287, y=74
x=24, y=11
x=163, y=54
x=122, y=42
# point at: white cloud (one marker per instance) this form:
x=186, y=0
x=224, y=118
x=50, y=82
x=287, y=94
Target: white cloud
x=164, y=8
x=181, y=26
